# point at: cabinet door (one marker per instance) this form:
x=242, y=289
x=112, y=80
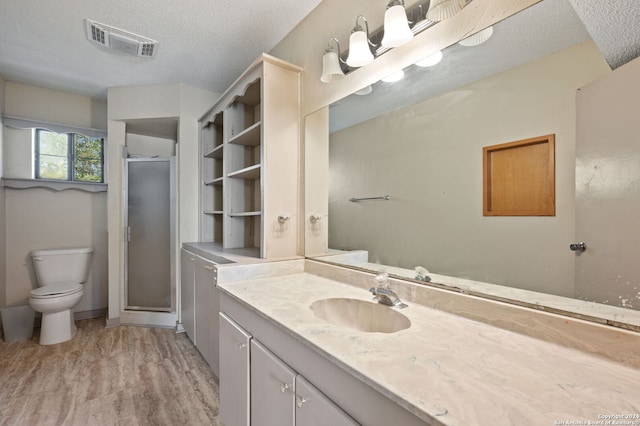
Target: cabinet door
x=204, y=279
x=187, y=294
x=272, y=389
x=315, y=409
x=234, y=373
x=214, y=327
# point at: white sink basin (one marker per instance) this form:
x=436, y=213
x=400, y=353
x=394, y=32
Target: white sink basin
x=370, y=317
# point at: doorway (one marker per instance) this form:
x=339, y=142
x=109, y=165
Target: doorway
x=150, y=225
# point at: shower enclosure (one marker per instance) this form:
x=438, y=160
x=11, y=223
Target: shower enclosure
x=150, y=226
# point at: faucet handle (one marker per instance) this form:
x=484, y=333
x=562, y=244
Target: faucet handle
x=421, y=274
x=381, y=280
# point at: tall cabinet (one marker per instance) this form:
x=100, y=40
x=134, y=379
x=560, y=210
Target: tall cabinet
x=250, y=154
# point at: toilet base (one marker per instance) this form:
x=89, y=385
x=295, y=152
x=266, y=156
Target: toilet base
x=57, y=327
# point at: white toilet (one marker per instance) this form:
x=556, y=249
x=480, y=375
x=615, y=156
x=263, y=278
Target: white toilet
x=60, y=274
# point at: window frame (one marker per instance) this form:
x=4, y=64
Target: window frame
x=71, y=157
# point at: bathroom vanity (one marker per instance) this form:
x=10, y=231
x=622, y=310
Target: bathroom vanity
x=443, y=369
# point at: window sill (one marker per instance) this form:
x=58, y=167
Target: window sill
x=56, y=185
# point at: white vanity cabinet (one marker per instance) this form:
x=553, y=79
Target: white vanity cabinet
x=187, y=293
x=257, y=388
x=207, y=308
x=234, y=373
x=272, y=389
x=315, y=409
x=200, y=301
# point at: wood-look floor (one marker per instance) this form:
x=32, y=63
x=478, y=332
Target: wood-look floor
x=117, y=376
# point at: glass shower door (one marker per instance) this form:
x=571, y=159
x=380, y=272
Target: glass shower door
x=150, y=230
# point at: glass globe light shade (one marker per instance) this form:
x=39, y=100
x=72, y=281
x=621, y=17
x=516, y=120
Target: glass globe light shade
x=359, y=52
x=396, y=27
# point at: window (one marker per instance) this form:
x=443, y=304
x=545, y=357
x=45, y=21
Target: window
x=68, y=156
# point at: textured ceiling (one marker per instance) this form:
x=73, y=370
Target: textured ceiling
x=614, y=26
x=203, y=43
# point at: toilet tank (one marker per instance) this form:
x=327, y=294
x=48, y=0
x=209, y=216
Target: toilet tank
x=62, y=265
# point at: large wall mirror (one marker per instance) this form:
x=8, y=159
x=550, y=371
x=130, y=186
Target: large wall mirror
x=419, y=141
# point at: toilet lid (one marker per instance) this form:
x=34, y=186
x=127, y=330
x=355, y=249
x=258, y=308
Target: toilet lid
x=56, y=289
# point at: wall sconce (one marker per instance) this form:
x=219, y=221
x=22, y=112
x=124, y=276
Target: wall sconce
x=331, y=68
x=364, y=46
x=439, y=10
x=396, y=25
x=359, y=51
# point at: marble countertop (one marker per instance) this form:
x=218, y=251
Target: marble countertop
x=215, y=253
x=449, y=368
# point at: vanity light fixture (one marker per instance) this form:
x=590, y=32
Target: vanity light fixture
x=477, y=38
x=439, y=10
x=331, y=68
x=431, y=60
x=396, y=25
x=392, y=78
x=359, y=50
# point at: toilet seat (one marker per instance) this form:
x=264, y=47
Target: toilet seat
x=63, y=288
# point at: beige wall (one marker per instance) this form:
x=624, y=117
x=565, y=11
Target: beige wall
x=40, y=218
x=429, y=159
x=36, y=103
x=607, y=190
x=149, y=146
x=142, y=102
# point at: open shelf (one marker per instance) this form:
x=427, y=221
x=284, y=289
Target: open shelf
x=251, y=173
x=216, y=152
x=245, y=214
x=249, y=137
x=215, y=181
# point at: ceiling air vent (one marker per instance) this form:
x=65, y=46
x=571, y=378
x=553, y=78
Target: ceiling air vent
x=119, y=40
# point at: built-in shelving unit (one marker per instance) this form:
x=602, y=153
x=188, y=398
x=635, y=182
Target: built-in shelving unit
x=250, y=154
x=212, y=176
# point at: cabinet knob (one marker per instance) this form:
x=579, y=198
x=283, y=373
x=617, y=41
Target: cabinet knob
x=284, y=387
x=300, y=400
x=208, y=268
x=241, y=346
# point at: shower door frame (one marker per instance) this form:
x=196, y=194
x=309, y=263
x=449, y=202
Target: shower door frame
x=172, y=236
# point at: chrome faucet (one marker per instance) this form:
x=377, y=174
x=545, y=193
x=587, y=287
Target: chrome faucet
x=382, y=292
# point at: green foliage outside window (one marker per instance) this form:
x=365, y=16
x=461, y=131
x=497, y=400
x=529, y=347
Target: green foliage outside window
x=88, y=158
x=69, y=156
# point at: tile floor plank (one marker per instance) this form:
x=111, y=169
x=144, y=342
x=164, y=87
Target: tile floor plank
x=117, y=376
